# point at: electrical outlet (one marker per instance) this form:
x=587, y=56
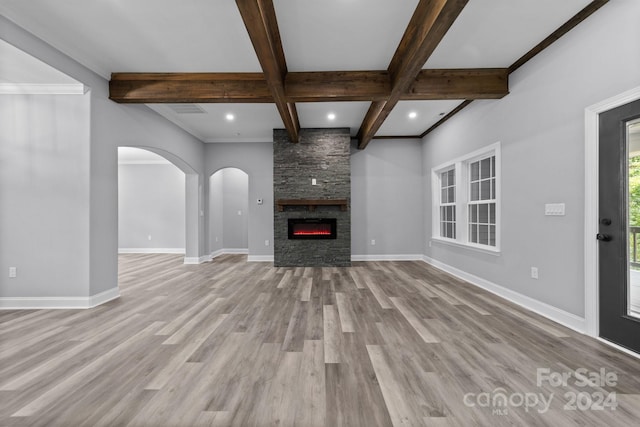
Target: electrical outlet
x=313, y=181
x=554, y=209
x=149, y=237
x=239, y=212
x=373, y=242
x=534, y=272
x=13, y=272
x=216, y=238
x=266, y=243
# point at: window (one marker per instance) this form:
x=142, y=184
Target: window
x=482, y=201
x=466, y=200
x=448, y=204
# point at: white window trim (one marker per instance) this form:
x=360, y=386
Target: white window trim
x=462, y=194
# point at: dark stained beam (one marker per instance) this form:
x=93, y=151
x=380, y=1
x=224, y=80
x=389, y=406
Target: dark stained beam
x=430, y=22
x=489, y=83
x=337, y=86
x=259, y=18
x=447, y=117
x=304, y=87
x=151, y=88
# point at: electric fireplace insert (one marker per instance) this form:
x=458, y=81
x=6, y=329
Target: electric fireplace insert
x=312, y=228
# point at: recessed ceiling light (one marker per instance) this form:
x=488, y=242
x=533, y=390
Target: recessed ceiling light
x=413, y=115
x=229, y=117
x=331, y=116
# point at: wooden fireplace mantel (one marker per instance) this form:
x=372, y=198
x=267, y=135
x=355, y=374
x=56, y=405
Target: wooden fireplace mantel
x=311, y=204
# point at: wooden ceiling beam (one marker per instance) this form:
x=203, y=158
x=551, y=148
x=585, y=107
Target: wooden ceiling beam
x=323, y=86
x=152, y=88
x=430, y=22
x=327, y=86
x=259, y=18
x=479, y=83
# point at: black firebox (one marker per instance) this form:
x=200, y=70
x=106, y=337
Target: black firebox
x=312, y=228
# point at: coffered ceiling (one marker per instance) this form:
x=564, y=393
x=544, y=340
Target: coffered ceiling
x=281, y=41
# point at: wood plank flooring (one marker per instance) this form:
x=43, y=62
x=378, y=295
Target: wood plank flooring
x=231, y=343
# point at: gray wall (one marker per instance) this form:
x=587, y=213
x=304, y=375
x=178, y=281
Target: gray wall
x=44, y=195
x=111, y=125
x=229, y=209
x=256, y=160
x=387, y=198
x=395, y=166
x=541, y=127
x=151, y=202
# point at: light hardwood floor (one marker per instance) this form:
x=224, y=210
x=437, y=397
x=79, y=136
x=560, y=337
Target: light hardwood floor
x=236, y=343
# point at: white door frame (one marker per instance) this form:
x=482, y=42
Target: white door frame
x=591, y=270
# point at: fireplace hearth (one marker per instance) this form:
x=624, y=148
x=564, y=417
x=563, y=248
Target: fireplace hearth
x=312, y=228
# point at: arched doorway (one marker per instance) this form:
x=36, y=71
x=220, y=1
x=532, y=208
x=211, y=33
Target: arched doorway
x=228, y=211
x=193, y=205
x=151, y=203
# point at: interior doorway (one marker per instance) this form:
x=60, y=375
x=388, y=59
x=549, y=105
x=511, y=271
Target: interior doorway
x=151, y=203
x=229, y=211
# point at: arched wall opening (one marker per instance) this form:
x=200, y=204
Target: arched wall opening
x=151, y=203
x=192, y=202
x=229, y=211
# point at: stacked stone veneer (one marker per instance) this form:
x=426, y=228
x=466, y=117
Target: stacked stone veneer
x=322, y=154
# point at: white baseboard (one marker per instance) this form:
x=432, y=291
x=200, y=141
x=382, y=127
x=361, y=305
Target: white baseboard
x=102, y=297
x=61, y=303
x=217, y=253
x=197, y=260
x=240, y=251
x=619, y=347
x=405, y=257
x=260, y=258
x=180, y=251
x=557, y=315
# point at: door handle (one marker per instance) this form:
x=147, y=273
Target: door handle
x=603, y=237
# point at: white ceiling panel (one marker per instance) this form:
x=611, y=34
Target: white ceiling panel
x=141, y=35
x=496, y=33
x=339, y=35
x=347, y=114
x=427, y=113
x=251, y=122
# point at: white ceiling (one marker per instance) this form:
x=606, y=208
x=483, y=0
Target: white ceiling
x=339, y=35
x=209, y=36
x=496, y=33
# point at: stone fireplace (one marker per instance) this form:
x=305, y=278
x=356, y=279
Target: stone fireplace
x=312, y=192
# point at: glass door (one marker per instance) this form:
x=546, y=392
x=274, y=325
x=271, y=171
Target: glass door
x=633, y=202
x=619, y=227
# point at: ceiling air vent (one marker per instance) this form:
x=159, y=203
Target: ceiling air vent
x=187, y=109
